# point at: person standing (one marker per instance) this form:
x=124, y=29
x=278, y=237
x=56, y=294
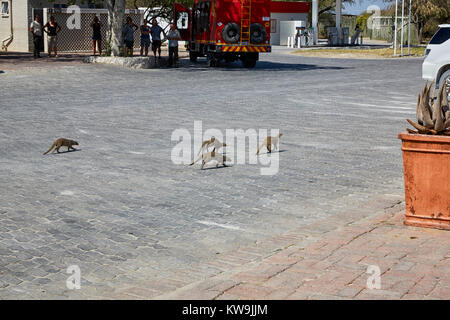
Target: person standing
x=52, y=28
x=155, y=31
x=128, y=36
x=145, y=37
x=36, y=30
x=173, y=36
x=96, y=26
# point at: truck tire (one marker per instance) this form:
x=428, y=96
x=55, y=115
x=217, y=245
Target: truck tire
x=212, y=60
x=258, y=33
x=231, y=33
x=249, y=62
x=193, y=56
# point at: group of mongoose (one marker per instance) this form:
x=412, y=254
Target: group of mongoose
x=205, y=156
x=220, y=158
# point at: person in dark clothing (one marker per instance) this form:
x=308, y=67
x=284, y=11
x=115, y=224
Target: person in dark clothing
x=145, y=37
x=52, y=28
x=156, y=31
x=36, y=30
x=128, y=36
x=96, y=26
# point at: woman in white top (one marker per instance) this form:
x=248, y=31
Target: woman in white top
x=36, y=30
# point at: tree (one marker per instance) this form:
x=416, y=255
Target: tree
x=425, y=14
x=116, y=12
x=329, y=5
x=158, y=8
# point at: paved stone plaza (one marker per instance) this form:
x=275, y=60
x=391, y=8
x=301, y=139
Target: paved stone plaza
x=123, y=212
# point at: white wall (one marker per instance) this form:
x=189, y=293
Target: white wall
x=275, y=37
x=21, y=26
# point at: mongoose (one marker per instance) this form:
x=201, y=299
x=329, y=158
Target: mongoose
x=209, y=156
x=268, y=142
x=62, y=142
x=211, y=142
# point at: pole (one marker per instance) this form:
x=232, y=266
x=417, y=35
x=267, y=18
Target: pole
x=315, y=19
x=395, y=28
x=403, y=17
x=338, y=20
x=409, y=29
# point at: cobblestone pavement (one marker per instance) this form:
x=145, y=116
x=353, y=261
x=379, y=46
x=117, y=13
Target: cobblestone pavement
x=335, y=258
x=10, y=61
x=22, y=61
x=123, y=212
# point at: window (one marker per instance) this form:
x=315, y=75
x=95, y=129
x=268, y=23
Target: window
x=442, y=35
x=273, y=25
x=203, y=14
x=5, y=8
x=182, y=20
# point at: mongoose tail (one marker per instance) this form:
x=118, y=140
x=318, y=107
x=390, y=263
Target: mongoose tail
x=53, y=145
x=199, y=158
x=260, y=147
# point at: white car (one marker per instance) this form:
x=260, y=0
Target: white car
x=436, y=65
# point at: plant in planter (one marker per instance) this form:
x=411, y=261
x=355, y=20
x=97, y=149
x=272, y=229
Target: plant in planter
x=432, y=117
x=426, y=162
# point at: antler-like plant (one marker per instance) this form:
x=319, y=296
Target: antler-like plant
x=432, y=117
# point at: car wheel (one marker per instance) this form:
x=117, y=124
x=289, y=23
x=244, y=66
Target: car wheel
x=445, y=81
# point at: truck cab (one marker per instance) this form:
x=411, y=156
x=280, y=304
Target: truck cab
x=227, y=30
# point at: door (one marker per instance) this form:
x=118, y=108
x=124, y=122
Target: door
x=182, y=17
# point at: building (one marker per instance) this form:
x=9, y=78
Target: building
x=286, y=11
x=17, y=15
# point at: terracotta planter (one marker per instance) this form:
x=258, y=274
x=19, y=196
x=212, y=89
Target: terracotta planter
x=426, y=166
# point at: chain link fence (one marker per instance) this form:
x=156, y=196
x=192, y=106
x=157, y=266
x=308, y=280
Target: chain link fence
x=80, y=40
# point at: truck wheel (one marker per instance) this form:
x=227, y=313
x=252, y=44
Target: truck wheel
x=249, y=62
x=231, y=33
x=193, y=56
x=212, y=61
x=258, y=33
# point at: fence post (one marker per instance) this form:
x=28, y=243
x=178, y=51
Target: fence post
x=44, y=34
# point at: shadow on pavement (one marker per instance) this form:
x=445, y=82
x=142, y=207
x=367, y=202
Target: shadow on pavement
x=260, y=65
x=15, y=60
x=25, y=57
x=67, y=151
x=215, y=168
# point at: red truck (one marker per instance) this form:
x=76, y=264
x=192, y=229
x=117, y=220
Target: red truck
x=227, y=30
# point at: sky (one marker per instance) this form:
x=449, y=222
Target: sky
x=361, y=6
